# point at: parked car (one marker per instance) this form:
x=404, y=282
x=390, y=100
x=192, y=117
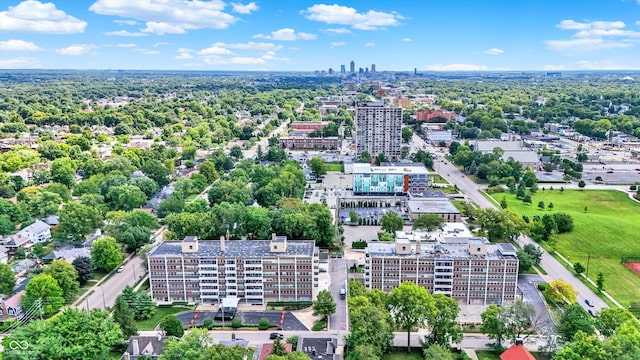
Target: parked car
x=120, y=269
x=591, y=312
x=588, y=302
x=274, y=336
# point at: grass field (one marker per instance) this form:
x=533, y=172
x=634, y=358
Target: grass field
x=161, y=312
x=487, y=355
x=334, y=167
x=608, y=229
x=403, y=355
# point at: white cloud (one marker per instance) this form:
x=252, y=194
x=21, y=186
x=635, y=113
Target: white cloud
x=244, y=9
x=18, y=45
x=19, y=63
x=370, y=44
x=604, y=65
x=160, y=43
x=456, y=67
x=125, y=33
x=407, y=40
x=638, y=22
x=555, y=67
x=125, y=22
x=257, y=46
x=184, y=54
x=150, y=52
x=338, y=43
x=586, y=44
x=169, y=16
x=594, y=35
x=75, y=49
x=215, y=50
x=493, y=51
x=344, y=15
x=34, y=16
x=129, y=45
x=286, y=34
x=337, y=31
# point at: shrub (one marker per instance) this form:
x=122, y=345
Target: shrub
x=208, y=323
x=263, y=324
x=361, y=244
x=320, y=325
x=543, y=286
x=172, y=326
x=236, y=323
x=293, y=340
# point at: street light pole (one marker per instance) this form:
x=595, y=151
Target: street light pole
x=104, y=303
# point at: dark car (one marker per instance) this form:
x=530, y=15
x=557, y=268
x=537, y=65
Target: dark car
x=588, y=303
x=591, y=312
x=274, y=336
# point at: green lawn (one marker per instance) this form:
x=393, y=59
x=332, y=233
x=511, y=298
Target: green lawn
x=161, y=312
x=402, y=355
x=608, y=229
x=435, y=178
x=487, y=355
x=334, y=167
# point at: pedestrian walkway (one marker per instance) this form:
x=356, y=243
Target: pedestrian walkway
x=471, y=354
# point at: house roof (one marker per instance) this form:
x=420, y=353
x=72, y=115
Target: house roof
x=15, y=300
x=68, y=254
x=268, y=347
x=37, y=227
x=147, y=345
x=517, y=352
x=52, y=220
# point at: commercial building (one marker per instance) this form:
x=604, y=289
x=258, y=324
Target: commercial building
x=472, y=271
x=255, y=271
x=305, y=142
x=378, y=129
x=389, y=180
x=438, y=206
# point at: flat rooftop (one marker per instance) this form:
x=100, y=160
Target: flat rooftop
x=411, y=168
x=234, y=248
x=427, y=250
x=433, y=206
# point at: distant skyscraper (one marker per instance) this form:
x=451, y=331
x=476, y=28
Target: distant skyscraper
x=342, y=69
x=378, y=129
x=373, y=68
x=330, y=71
x=352, y=67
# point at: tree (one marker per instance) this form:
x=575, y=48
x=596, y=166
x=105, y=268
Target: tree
x=492, y=324
x=564, y=222
x=381, y=158
x=503, y=203
x=172, y=326
x=541, y=205
x=324, y=305
x=407, y=134
x=7, y=279
x=410, y=306
x=550, y=206
x=500, y=224
x=516, y=317
x=63, y=171
x=438, y=352
x=610, y=319
x=106, y=254
x=72, y=334
x=278, y=348
x=6, y=226
x=84, y=268
x=156, y=171
x=126, y=197
x=454, y=147
x=317, y=166
x=423, y=157
x=77, y=220
x=353, y=217
x=196, y=345
x=442, y=322
x=561, y=291
x=364, y=157
x=66, y=276
x=578, y=267
x=581, y=184
x=534, y=252
x=123, y=316
x=428, y=222
x=391, y=222
x=148, y=186
x=573, y=320
x=43, y=289
x=371, y=323
x=236, y=152
x=208, y=169
x=525, y=263
x=600, y=282
x=140, y=303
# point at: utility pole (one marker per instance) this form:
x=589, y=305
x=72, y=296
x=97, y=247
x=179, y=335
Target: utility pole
x=104, y=303
x=587, y=270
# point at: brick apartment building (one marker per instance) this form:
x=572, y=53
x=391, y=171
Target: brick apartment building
x=307, y=126
x=304, y=142
x=428, y=114
x=472, y=272
x=256, y=271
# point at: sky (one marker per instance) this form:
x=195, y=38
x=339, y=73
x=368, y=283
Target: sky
x=299, y=35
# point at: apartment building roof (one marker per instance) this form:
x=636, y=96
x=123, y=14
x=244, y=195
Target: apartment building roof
x=235, y=248
x=441, y=251
x=437, y=206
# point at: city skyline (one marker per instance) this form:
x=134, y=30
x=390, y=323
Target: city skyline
x=497, y=35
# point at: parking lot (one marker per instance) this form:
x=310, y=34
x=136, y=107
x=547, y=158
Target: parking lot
x=371, y=214
x=290, y=322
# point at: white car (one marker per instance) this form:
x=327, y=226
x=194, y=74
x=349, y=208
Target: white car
x=120, y=269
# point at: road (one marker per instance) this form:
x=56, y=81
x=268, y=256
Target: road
x=264, y=143
x=338, y=273
x=554, y=269
x=105, y=294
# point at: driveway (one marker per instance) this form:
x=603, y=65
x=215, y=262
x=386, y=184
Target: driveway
x=338, y=272
x=527, y=285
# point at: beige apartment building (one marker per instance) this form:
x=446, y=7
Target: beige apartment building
x=254, y=271
x=472, y=271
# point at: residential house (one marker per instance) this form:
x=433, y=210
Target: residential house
x=30, y=235
x=151, y=346
x=4, y=255
x=517, y=352
x=11, y=307
x=68, y=254
x=319, y=348
x=21, y=267
x=266, y=349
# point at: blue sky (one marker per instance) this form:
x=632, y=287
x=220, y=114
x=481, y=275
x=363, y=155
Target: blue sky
x=304, y=35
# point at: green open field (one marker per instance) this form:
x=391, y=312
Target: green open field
x=161, y=312
x=402, y=355
x=608, y=229
x=334, y=167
